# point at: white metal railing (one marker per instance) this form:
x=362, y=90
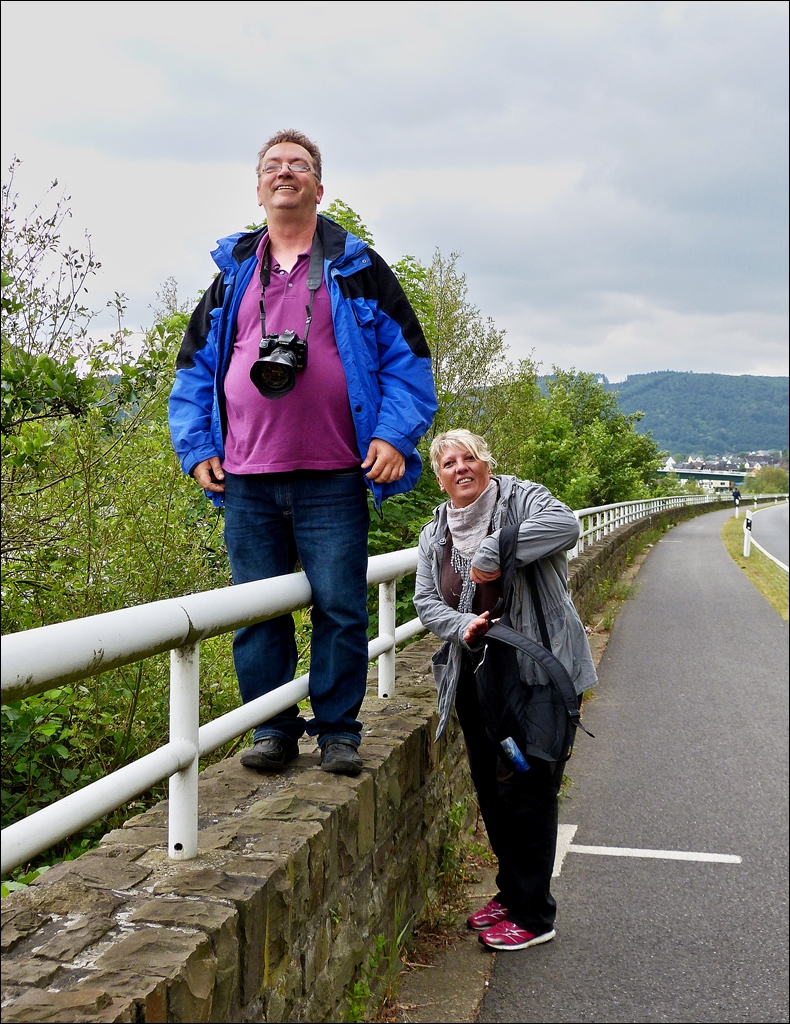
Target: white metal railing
x=41, y=659
x=597, y=523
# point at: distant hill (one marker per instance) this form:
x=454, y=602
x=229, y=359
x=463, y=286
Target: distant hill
x=711, y=413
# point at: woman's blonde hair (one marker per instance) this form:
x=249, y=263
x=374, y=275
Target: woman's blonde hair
x=460, y=438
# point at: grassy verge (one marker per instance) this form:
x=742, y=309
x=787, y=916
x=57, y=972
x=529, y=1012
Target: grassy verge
x=770, y=580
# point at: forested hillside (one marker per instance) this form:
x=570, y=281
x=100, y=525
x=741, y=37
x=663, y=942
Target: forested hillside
x=711, y=413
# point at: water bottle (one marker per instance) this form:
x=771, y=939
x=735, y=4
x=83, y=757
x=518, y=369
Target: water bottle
x=515, y=756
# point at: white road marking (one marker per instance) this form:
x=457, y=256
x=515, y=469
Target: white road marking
x=625, y=851
x=565, y=834
x=565, y=845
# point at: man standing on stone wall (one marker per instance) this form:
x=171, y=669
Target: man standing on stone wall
x=303, y=376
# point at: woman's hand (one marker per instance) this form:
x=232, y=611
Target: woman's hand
x=477, y=629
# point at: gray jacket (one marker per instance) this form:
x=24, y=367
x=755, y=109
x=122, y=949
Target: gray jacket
x=548, y=528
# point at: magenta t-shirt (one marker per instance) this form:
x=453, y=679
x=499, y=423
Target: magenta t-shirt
x=310, y=428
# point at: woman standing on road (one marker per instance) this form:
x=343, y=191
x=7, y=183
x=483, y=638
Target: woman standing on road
x=458, y=584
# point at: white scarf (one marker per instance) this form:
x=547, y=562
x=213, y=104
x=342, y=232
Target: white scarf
x=468, y=528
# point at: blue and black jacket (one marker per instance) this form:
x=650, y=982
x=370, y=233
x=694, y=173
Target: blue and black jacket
x=381, y=345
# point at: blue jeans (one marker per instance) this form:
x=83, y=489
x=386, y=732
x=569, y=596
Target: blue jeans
x=320, y=518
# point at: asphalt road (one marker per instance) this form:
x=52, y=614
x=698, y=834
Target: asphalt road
x=690, y=755
x=770, y=528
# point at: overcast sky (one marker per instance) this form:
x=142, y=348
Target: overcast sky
x=614, y=175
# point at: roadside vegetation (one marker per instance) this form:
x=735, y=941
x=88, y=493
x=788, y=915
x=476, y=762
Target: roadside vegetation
x=770, y=580
x=96, y=514
x=768, y=480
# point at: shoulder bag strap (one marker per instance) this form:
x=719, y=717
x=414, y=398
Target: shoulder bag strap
x=538, y=606
x=508, y=539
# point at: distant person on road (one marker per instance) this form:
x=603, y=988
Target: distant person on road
x=458, y=585
x=736, y=496
x=288, y=443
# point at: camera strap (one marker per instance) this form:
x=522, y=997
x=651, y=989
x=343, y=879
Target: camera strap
x=315, y=273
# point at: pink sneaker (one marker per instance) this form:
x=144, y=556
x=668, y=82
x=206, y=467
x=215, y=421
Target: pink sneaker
x=507, y=935
x=492, y=913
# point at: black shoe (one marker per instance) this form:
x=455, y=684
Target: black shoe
x=270, y=754
x=341, y=758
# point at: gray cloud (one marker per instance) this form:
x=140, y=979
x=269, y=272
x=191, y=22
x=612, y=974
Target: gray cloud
x=614, y=174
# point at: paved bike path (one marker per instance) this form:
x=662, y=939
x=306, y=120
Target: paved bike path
x=690, y=755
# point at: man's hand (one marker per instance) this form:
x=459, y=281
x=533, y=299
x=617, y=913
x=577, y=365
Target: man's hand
x=477, y=629
x=385, y=462
x=210, y=474
x=481, y=576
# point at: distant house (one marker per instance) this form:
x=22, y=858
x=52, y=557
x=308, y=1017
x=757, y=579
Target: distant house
x=670, y=464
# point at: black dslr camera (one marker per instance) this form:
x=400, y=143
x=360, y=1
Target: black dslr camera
x=274, y=371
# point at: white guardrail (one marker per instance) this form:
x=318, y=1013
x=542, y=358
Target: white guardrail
x=41, y=659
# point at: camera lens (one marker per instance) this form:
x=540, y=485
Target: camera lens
x=274, y=375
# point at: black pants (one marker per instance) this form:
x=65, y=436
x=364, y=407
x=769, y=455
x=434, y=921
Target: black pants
x=520, y=811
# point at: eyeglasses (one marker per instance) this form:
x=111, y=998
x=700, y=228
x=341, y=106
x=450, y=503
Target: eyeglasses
x=298, y=167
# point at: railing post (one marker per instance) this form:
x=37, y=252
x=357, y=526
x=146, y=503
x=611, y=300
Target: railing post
x=184, y=723
x=387, y=629
x=747, y=534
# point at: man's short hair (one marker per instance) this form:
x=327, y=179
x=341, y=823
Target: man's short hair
x=460, y=438
x=300, y=139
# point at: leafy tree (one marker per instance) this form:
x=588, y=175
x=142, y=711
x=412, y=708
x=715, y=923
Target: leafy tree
x=347, y=218
x=96, y=512
x=470, y=364
x=768, y=480
x=577, y=442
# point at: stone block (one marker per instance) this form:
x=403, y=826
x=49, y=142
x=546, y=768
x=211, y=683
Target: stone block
x=221, y=925
x=154, y=817
x=75, y=935
x=316, y=954
x=145, y=996
x=29, y=971
x=109, y=868
x=185, y=960
x=219, y=836
x=19, y=920
x=141, y=837
x=42, y=1006
x=278, y=839
x=62, y=894
x=250, y=899
x=288, y=806
x=226, y=784
x=366, y=801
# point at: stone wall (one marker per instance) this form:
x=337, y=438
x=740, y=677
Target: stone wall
x=296, y=874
